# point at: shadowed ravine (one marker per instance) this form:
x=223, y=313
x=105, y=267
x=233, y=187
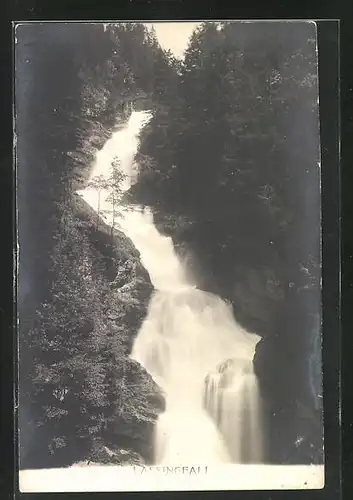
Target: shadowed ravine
x=189, y=342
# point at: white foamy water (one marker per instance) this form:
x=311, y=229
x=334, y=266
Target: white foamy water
x=189, y=342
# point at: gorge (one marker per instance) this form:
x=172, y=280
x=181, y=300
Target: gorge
x=129, y=351
x=189, y=342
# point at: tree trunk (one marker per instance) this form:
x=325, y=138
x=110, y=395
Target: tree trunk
x=98, y=208
x=113, y=218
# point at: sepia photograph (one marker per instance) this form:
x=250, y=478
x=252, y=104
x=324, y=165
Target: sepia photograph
x=169, y=256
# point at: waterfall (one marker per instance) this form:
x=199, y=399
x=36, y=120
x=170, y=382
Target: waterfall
x=233, y=400
x=189, y=342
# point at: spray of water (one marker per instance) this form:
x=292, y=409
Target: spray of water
x=189, y=342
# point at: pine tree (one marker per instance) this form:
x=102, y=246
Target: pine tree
x=114, y=188
x=98, y=183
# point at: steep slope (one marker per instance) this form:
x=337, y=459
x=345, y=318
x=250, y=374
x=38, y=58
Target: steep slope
x=87, y=399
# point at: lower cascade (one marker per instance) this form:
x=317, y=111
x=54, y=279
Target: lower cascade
x=232, y=399
x=189, y=342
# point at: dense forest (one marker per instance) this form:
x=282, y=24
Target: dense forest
x=229, y=165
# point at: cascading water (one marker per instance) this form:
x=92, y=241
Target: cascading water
x=189, y=342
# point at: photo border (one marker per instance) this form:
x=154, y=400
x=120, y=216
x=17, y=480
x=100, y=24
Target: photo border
x=329, y=118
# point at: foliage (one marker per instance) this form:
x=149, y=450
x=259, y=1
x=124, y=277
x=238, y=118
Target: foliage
x=71, y=355
x=226, y=148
